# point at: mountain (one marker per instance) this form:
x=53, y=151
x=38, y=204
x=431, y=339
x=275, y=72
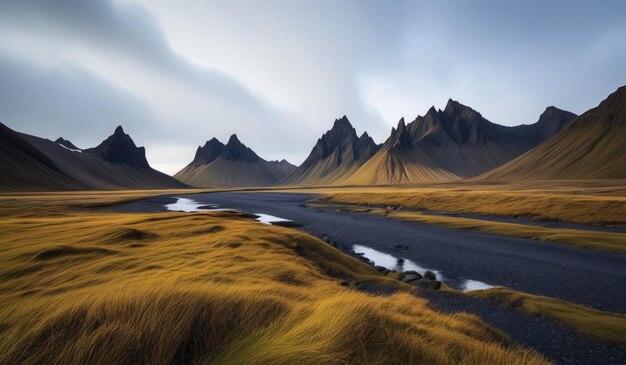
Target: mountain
x=33, y=163
x=457, y=142
x=67, y=144
x=335, y=156
x=24, y=167
x=399, y=161
x=232, y=164
x=119, y=149
x=592, y=146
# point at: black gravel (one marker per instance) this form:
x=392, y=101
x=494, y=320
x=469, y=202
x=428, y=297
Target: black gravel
x=556, y=342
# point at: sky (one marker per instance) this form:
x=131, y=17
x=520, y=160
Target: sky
x=277, y=73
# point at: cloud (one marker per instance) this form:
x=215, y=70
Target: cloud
x=120, y=46
x=278, y=72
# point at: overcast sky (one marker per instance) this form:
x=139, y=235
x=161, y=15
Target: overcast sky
x=277, y=73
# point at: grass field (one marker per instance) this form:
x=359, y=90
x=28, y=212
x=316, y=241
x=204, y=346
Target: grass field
x=109, y=288
x=591, y=203
x=597, y=240
x=605, y=326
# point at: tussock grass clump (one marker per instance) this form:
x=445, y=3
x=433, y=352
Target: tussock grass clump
x=211, y=288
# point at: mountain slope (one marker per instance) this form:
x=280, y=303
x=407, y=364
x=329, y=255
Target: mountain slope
x=22, y=166
x=592, y=146
x=399, y=162
x=115, y=164
x=232, y=164
x=336, y=155
x=451, y=144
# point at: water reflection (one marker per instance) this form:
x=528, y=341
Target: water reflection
x=190, y=205
x=401, y=264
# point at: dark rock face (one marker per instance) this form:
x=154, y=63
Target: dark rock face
x=234, y=150
x=400, y=137
x=119, y=148
x=337, y=149
x=342, y=137
x=64, y=142
x=550, y=122
x=465, y=126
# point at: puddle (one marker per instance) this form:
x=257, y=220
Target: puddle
x=469, y=285
x=391, y=262
x=186, y=205
x=400, y=264
x=190, y=205
x=269, y=219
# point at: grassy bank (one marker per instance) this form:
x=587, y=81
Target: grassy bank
x=597, y=240
x=605, y=326
x=581, y=206
x=107, y=288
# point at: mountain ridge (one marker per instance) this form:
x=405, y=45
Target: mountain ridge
x=592, y=146
x=335, y=155
x=231, y=164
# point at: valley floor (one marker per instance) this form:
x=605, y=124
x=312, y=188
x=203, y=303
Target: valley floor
x=113, y=288
x=126, y=283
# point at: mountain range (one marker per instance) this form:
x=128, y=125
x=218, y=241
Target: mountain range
x=443, y=145
x=452, y=144
x=33, y=163
x=232, y=164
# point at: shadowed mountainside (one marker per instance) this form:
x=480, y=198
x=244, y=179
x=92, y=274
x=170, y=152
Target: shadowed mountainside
x=23, y=166
x=336, y=155
x=454, y=143
x=593, y=146
x=232, y=164
x=33, y=163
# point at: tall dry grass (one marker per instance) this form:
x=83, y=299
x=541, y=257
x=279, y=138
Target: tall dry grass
x=168, y=288
x=572, y=207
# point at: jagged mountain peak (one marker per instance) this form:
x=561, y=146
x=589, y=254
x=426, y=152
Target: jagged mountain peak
x=66, y=143
x=341, y=126
x=234, y=140
x=119, y=148
x=338, y=152
x=233, y=150
x=400, y=137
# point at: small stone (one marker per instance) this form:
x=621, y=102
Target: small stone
x=428, y=284
x=410, y=277
x=430, y=275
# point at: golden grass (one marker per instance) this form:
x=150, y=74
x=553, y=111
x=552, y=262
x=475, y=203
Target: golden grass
x=109, y=288
x=597, y=240
x=606, y=326
x=581, y=206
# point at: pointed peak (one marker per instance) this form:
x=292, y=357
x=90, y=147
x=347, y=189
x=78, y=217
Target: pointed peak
x=401, y=123
x=452, y=104
x=213, y=142
x=233, y=139
x=119, y=130
x=553, y=114
x=432, y=110
x=342, y=122
x=66, y=143
x=365, y=135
